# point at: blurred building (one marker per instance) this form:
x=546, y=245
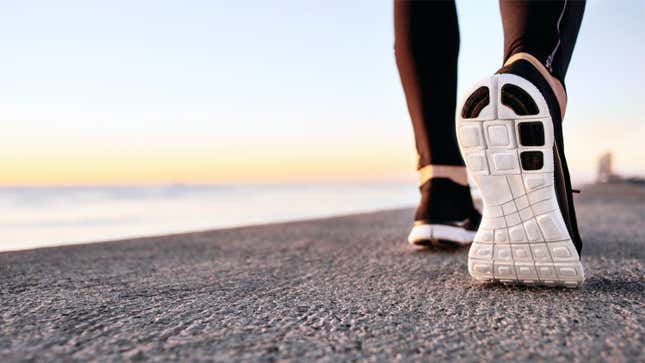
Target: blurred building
x=605, y=171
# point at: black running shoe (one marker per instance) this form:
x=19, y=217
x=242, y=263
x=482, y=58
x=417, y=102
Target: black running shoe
x=510, y=135
x=446, y=215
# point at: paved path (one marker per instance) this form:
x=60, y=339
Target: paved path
x=338, y=289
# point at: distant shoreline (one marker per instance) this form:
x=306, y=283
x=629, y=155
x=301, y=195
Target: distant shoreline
x=209, y=230
x=39, y=217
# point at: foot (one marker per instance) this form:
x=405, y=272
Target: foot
x=445, y=215
x=510, y=135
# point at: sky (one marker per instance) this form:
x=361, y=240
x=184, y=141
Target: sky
x=132, y=92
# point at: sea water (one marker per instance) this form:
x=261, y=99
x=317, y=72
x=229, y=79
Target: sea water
x=33, y=217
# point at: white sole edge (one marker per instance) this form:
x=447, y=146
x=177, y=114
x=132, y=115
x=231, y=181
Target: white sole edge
x=522, y=238
x=421, y=233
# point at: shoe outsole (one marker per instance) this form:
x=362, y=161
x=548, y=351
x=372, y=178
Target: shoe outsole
x=522, y=238
x=437, y=234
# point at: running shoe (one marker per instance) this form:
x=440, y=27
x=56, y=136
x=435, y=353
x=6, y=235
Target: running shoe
x=446, y=215
x=509, y=130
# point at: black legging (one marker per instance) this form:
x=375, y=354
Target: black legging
x=427, y=47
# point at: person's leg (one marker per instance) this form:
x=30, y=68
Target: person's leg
x=545, y=29
x=426, y=49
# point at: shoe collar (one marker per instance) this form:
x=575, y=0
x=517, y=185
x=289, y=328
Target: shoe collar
x=556, y=85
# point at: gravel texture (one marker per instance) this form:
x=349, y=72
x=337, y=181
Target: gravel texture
x=338, y=289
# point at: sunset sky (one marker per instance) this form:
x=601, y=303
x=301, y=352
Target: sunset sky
x=129, y=92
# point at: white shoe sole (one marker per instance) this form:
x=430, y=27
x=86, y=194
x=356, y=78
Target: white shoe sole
x=522, y=237
x=427, y=234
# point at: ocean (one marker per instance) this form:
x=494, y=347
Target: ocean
x=32, y=217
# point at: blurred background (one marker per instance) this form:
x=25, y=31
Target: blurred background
x=122, y=119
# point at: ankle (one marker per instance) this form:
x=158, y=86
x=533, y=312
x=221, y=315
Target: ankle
x=456, y=173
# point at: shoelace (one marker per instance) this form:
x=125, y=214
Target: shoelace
x=577, y=191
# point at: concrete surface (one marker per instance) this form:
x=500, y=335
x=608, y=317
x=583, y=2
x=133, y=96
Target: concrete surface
x=338, y=289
